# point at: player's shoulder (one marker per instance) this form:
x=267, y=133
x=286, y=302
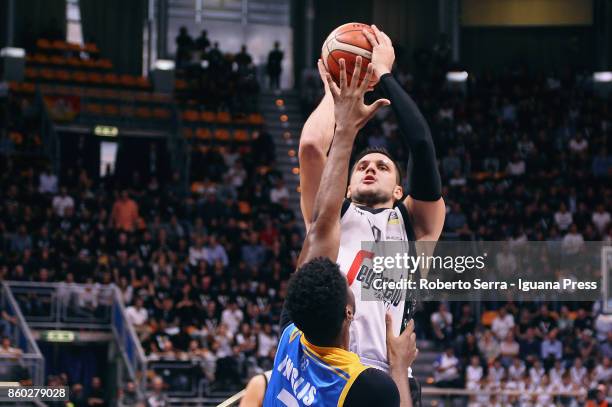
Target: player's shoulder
x=373, y=387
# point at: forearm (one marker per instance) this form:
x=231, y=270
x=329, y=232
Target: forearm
x=332, y=188
x=318, y=129
x=400, y=377
x=424, y=177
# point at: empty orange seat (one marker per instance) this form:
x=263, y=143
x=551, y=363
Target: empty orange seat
x=40, y=59
x=224, y=117
x=161, y=113
x=222, y=135
x=59, y=45
x=79, y=77
x=43, y=43
x=47, y=74
x=28, y=87
x=104, y=63
x=241, y=135
x=91, y=48
x=256, y=119
x=95, y=78
x=187, y=132
x=88, y=63
x=73, y=47
x=74, y=62
x=57, y=60
x=143, y=82
x=63, y=75
x=31, y=73
x=14, y=86
x=143, y=112
x=111, y=79
x=110, y=110
x=93, y=108
x=180, y=84
x=127, y=80
x=208, y=117
x=203, y=133
x=190, y=116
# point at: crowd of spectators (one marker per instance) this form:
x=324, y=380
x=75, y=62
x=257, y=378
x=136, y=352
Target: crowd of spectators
x=218, y=80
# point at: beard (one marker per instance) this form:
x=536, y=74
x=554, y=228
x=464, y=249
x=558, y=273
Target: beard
x=370, y=198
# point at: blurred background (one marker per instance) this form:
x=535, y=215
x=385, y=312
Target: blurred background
x=149, y=200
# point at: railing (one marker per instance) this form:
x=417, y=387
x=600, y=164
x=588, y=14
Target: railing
x=128, y=342
x=60, y=306
x=66, y=306
x=31, y=360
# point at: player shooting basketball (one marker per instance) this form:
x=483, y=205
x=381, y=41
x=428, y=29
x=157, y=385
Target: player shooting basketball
x=374, y=206
x=313, y=365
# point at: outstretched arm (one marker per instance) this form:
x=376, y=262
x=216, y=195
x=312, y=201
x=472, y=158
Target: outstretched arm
x=424, y=202
x=315, y=140
x=323, y=237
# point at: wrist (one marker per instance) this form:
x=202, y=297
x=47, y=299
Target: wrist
x=381, y=70
x=346, y=129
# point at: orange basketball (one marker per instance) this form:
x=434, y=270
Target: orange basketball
x=347, y=41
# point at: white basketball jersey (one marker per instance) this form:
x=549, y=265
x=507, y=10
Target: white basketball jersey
x=361, y=224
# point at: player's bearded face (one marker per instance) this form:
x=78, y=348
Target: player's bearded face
x=373, y=181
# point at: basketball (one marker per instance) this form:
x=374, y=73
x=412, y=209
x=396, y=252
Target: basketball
x=347, y=41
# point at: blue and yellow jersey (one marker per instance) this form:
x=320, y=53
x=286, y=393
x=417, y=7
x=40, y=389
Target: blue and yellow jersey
x=309, y=375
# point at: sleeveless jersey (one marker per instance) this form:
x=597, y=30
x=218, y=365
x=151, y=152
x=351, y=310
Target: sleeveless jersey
x=362, y=224
x=309, y=375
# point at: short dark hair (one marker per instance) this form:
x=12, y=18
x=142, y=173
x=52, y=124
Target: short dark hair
x=378, y=150
x=316, y=300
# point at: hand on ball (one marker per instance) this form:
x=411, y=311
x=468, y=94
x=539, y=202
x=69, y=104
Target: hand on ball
x=383, y=54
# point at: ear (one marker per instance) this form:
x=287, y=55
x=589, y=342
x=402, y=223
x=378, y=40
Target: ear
x=348, y=312
x=348, y=192
x=398, y=192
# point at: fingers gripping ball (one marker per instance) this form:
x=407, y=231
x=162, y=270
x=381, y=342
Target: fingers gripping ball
x=347, y=41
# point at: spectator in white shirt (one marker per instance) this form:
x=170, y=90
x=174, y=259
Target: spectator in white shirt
x=572, y=242
x=603, y=371
x=232, y=317
x=563, y=218
x=601, y=219
x=61, y=202
x=577, y=372
x=516, y=370
x=509, y=349
x=473, y=373
x=537, y=372
x=266, y=343
x=556, y=373
x=279, y=192
x=516, y=167
x=502, y=324
x=137, y=315
x=496, y=372
x=197, y=252
x=446, y=373
x=47, y=182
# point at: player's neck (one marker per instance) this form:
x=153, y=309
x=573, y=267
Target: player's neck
x=383, y=205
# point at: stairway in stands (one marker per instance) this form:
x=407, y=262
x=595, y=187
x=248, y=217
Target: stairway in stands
x=284, y=121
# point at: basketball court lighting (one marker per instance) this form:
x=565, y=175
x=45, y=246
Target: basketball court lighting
x=603, y=76
x=456, y=76
x=12, y=52
x=164, y=64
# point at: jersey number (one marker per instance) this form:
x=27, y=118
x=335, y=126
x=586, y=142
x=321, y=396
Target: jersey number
x=287, y=399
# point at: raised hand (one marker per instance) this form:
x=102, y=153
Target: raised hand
x=349, y=108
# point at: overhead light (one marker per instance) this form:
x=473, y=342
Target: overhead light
x=604, y=76
x=204, y=64
x=12, y=52
x=456, y=76
x=164, y=64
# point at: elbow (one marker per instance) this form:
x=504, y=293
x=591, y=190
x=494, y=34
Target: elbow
x=309, y=149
